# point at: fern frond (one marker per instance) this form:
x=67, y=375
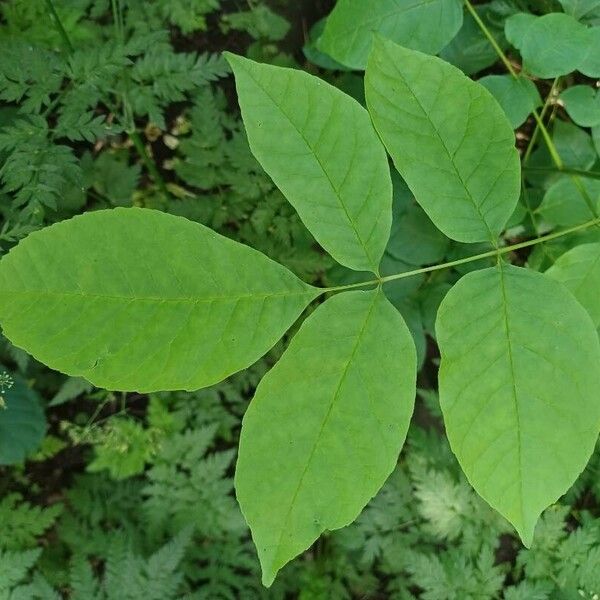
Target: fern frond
x=82, y=581
x=85, y=126
x=31, y=130
x=15, y=566
x=22, y=522
x=260, y=22
x=186, y=487
x=38, y=589
x=188, y=16
x=162, y=576
x=92, y=73
x=165, y=76
x=39, y=174
x=29, y=75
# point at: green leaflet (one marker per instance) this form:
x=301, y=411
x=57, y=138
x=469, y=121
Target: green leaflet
x=574, y=146
x=590, y=65
x=326, y=425
x=449, y=139
x=564, y=205
x=314, y=55
x=516, y=27
x=554, y=44
x=320, y=149
x=135, y=299
x=518, y=97
x=425, y=25
x=22, y=423
x=544, y=255
x=579, y=270
x=519, y=388
x=581, y=9
x=415, y=239
x=582, y=103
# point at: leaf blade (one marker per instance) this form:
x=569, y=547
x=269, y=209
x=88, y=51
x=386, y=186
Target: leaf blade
x=425, y=25
x=551, y=45
x=582, y=103
x=578, y=270
x=417, y=103
x=345, y=423
x=564, y=205
x=318, y=143
x=136, y=299
x=518, y=97
x=503, y=423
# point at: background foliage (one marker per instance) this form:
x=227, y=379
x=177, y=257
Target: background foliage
x=114, y=496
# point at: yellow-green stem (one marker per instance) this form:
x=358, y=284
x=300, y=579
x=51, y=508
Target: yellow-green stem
x=59, y=26
x=461, y=261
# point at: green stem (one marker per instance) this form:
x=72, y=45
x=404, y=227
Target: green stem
x=150, y=165
x=527, y=156
x=117, y=11
x=496, y=252
x=491, y=38
x=98, y=196
x=536, y=131
x=350, y=286
x=566, y=171
x=117, y=19
x=59, y=26
x=556, y=159
x=462, y=261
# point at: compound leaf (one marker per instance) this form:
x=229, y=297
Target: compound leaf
x=579, y=270
x=320, y=149
x=326, y=425
x=135, y=299
x=449, y=139
x=519, y=388
x=425, y=25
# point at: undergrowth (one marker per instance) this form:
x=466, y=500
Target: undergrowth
x=124, y=497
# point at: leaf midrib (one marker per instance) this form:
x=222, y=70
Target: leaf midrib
x=398, y=11
x=182, y=299
x=336, y=193
x=514, y=386
x=449, y=154
x=325, y=421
